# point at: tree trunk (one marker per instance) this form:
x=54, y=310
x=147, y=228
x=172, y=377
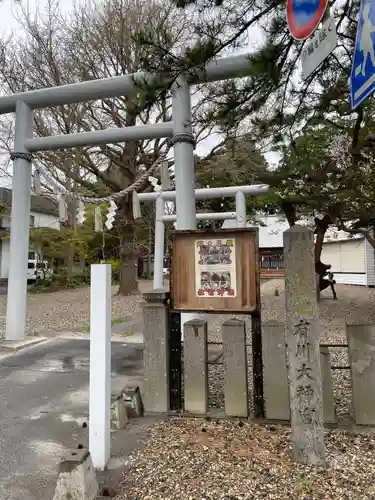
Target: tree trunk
x=72, y=218
x=127, y=250
x=290, y=213
x=320, y=231
x=367, y=234
x=72, y=223
x=320, y=268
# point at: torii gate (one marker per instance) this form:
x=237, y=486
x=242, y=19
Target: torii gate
x=179, y=130
x=181, y=135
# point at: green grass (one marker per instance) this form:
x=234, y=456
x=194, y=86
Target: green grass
x=306, y=485
x=87, y=331
x=116, y=321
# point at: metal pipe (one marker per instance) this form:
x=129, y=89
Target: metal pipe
x=334, y=345
x=204, y=193
x=116, y=86
x=204, y=216
x=158, y=281
x=98, y=137
x=19, y=232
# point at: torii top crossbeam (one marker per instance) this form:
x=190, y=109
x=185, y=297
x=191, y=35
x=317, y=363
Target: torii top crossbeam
x=226, y=67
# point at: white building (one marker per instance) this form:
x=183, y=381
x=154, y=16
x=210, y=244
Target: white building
x=44, y=213
x=352, y=258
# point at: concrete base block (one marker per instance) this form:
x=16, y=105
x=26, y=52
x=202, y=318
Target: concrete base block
x=329, y=410
x=77, y=479
x=133, y=401
x=235, y=368
x=119, y=416
x=275, y=373
x=156, y=351
x=361, y=344
x=195, y=366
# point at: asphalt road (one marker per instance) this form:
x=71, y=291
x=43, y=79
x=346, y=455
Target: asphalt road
x=43, y=405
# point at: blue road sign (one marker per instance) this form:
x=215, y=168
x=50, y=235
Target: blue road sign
x=362, y=77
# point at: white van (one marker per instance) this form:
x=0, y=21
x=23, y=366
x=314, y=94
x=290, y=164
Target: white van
x=37, y=268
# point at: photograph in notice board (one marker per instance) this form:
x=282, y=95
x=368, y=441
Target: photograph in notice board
x=215, y=268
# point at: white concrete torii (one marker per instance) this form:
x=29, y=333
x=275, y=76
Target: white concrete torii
x=180, y=132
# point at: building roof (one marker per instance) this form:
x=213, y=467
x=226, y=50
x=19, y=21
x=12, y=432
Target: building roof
x=39, y=204
x=271, y=228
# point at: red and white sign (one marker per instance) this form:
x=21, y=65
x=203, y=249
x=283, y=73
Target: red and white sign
x=304, y=16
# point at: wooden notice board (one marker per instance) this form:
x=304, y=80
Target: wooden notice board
x=215, y=270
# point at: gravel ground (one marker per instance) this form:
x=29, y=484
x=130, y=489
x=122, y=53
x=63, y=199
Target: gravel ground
x=196, y=459
x=69, y=310
x=186, y=459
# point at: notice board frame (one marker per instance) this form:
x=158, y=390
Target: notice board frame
x=247, y=270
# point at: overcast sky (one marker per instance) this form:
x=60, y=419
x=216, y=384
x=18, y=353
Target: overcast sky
x=8, y=24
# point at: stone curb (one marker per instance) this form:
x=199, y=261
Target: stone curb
x=13, y=346
x=136, y=338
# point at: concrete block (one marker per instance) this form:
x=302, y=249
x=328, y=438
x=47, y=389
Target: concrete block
x=12, y=346
x=195, y=366
x=361, y=345
x=329, y=410
x=275, y=376
x=133, y=401
x=119, y=416
x=236, y=397
x=77, y=479
x=156, y=352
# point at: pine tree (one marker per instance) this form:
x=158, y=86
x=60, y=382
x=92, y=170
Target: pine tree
x=271, y=99
x=285, y=114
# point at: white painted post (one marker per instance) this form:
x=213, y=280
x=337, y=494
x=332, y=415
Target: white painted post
x=240, y=209
x=158, y=282
x=19, y=228
x=100, y=365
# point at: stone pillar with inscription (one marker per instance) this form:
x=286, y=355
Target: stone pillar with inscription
x=302, y=339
